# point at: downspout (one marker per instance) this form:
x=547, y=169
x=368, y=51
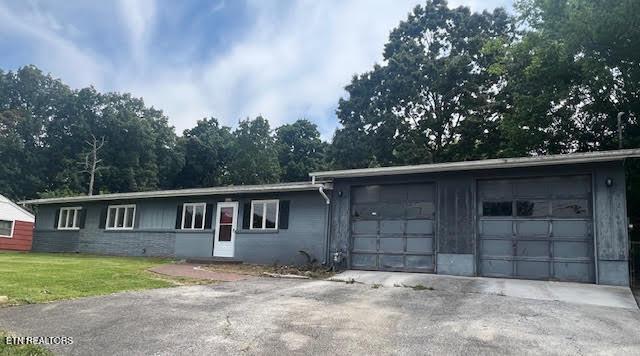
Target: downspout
x=327, y=224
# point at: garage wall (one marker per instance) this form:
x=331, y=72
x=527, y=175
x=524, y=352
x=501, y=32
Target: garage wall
x=611, y=224
x=456, y=230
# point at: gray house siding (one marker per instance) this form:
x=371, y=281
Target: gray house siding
x=47, y=239
x=155, y=232
x=457, y=234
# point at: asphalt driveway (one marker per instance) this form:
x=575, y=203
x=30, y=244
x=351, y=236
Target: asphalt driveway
x=273, y=316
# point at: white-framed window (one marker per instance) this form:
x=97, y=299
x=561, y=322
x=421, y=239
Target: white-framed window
x=69, y=218
x=121, y=217
x=264, y=214
x=193, y=216
x=6, y=228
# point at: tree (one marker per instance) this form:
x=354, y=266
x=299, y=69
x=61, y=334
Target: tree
x=45, y=126
x=300, y=150
x=91, y=160
x=433, y=95
x=575, y=67
x=207, y=151
x=254, y=157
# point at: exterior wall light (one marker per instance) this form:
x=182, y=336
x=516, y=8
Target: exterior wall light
x=608, y=182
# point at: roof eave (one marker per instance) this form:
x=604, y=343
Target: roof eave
x=174, y=194
x=603, y=156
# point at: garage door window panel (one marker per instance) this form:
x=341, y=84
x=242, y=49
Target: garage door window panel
x=574, y=208
x=365, y=211
x=497, y=208
x=532, y=208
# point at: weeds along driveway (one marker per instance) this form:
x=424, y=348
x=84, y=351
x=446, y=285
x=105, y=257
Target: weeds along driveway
x=272, y=316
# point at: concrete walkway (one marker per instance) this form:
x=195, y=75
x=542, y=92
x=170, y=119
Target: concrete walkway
x=196, y=271
x=577, y=293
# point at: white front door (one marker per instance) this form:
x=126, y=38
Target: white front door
x=225, y=234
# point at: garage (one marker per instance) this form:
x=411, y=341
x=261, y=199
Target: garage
x=536, y=228
x=392, y=227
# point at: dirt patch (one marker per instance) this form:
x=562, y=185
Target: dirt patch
x=311, y=271
x=189, y=272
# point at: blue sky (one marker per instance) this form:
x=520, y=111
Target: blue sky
x=230, y=59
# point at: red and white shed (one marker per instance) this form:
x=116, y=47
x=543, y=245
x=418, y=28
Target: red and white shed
x=16, y=226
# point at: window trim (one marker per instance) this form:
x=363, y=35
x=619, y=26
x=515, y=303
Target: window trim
x=115, y=221
x=193, y=217
x=76, y=218
x=13, y=227
x=264, y=216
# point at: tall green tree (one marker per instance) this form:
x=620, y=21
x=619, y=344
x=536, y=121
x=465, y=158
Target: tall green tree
x=300, y=150
x=45, y=126
x=207, y=150
x=432, y=100
x=575, y=67
x=254, y=157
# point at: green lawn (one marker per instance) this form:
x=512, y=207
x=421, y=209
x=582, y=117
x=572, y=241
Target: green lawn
x=44, y=277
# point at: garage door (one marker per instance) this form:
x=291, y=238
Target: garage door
x=537, y=228
x=392, y=227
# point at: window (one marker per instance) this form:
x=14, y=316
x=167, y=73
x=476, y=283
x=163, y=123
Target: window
x=69, y=218
x=264, y=214
x=575, y=208
x=193, y=216
x=121, y=217
x=532, y=208
x=6, y=228
x=497, y=208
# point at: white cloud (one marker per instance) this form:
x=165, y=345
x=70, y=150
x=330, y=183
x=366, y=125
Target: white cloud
x=291, y=64
x=49, y=49
x=138, y=17
x=293, y=61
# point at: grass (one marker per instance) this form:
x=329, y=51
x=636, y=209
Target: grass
x=41, y=277
x=21, y=350
x=419, y=287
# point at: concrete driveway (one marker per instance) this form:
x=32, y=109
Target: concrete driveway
x=275, y=316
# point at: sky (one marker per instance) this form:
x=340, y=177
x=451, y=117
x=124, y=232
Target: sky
x=229, y=59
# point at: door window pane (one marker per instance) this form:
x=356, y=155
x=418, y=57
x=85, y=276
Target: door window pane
x=497, y=208
x=225, y=233
x=226, y=216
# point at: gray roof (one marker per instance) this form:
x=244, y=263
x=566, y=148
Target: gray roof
x=228, y=190
x=549, y=160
